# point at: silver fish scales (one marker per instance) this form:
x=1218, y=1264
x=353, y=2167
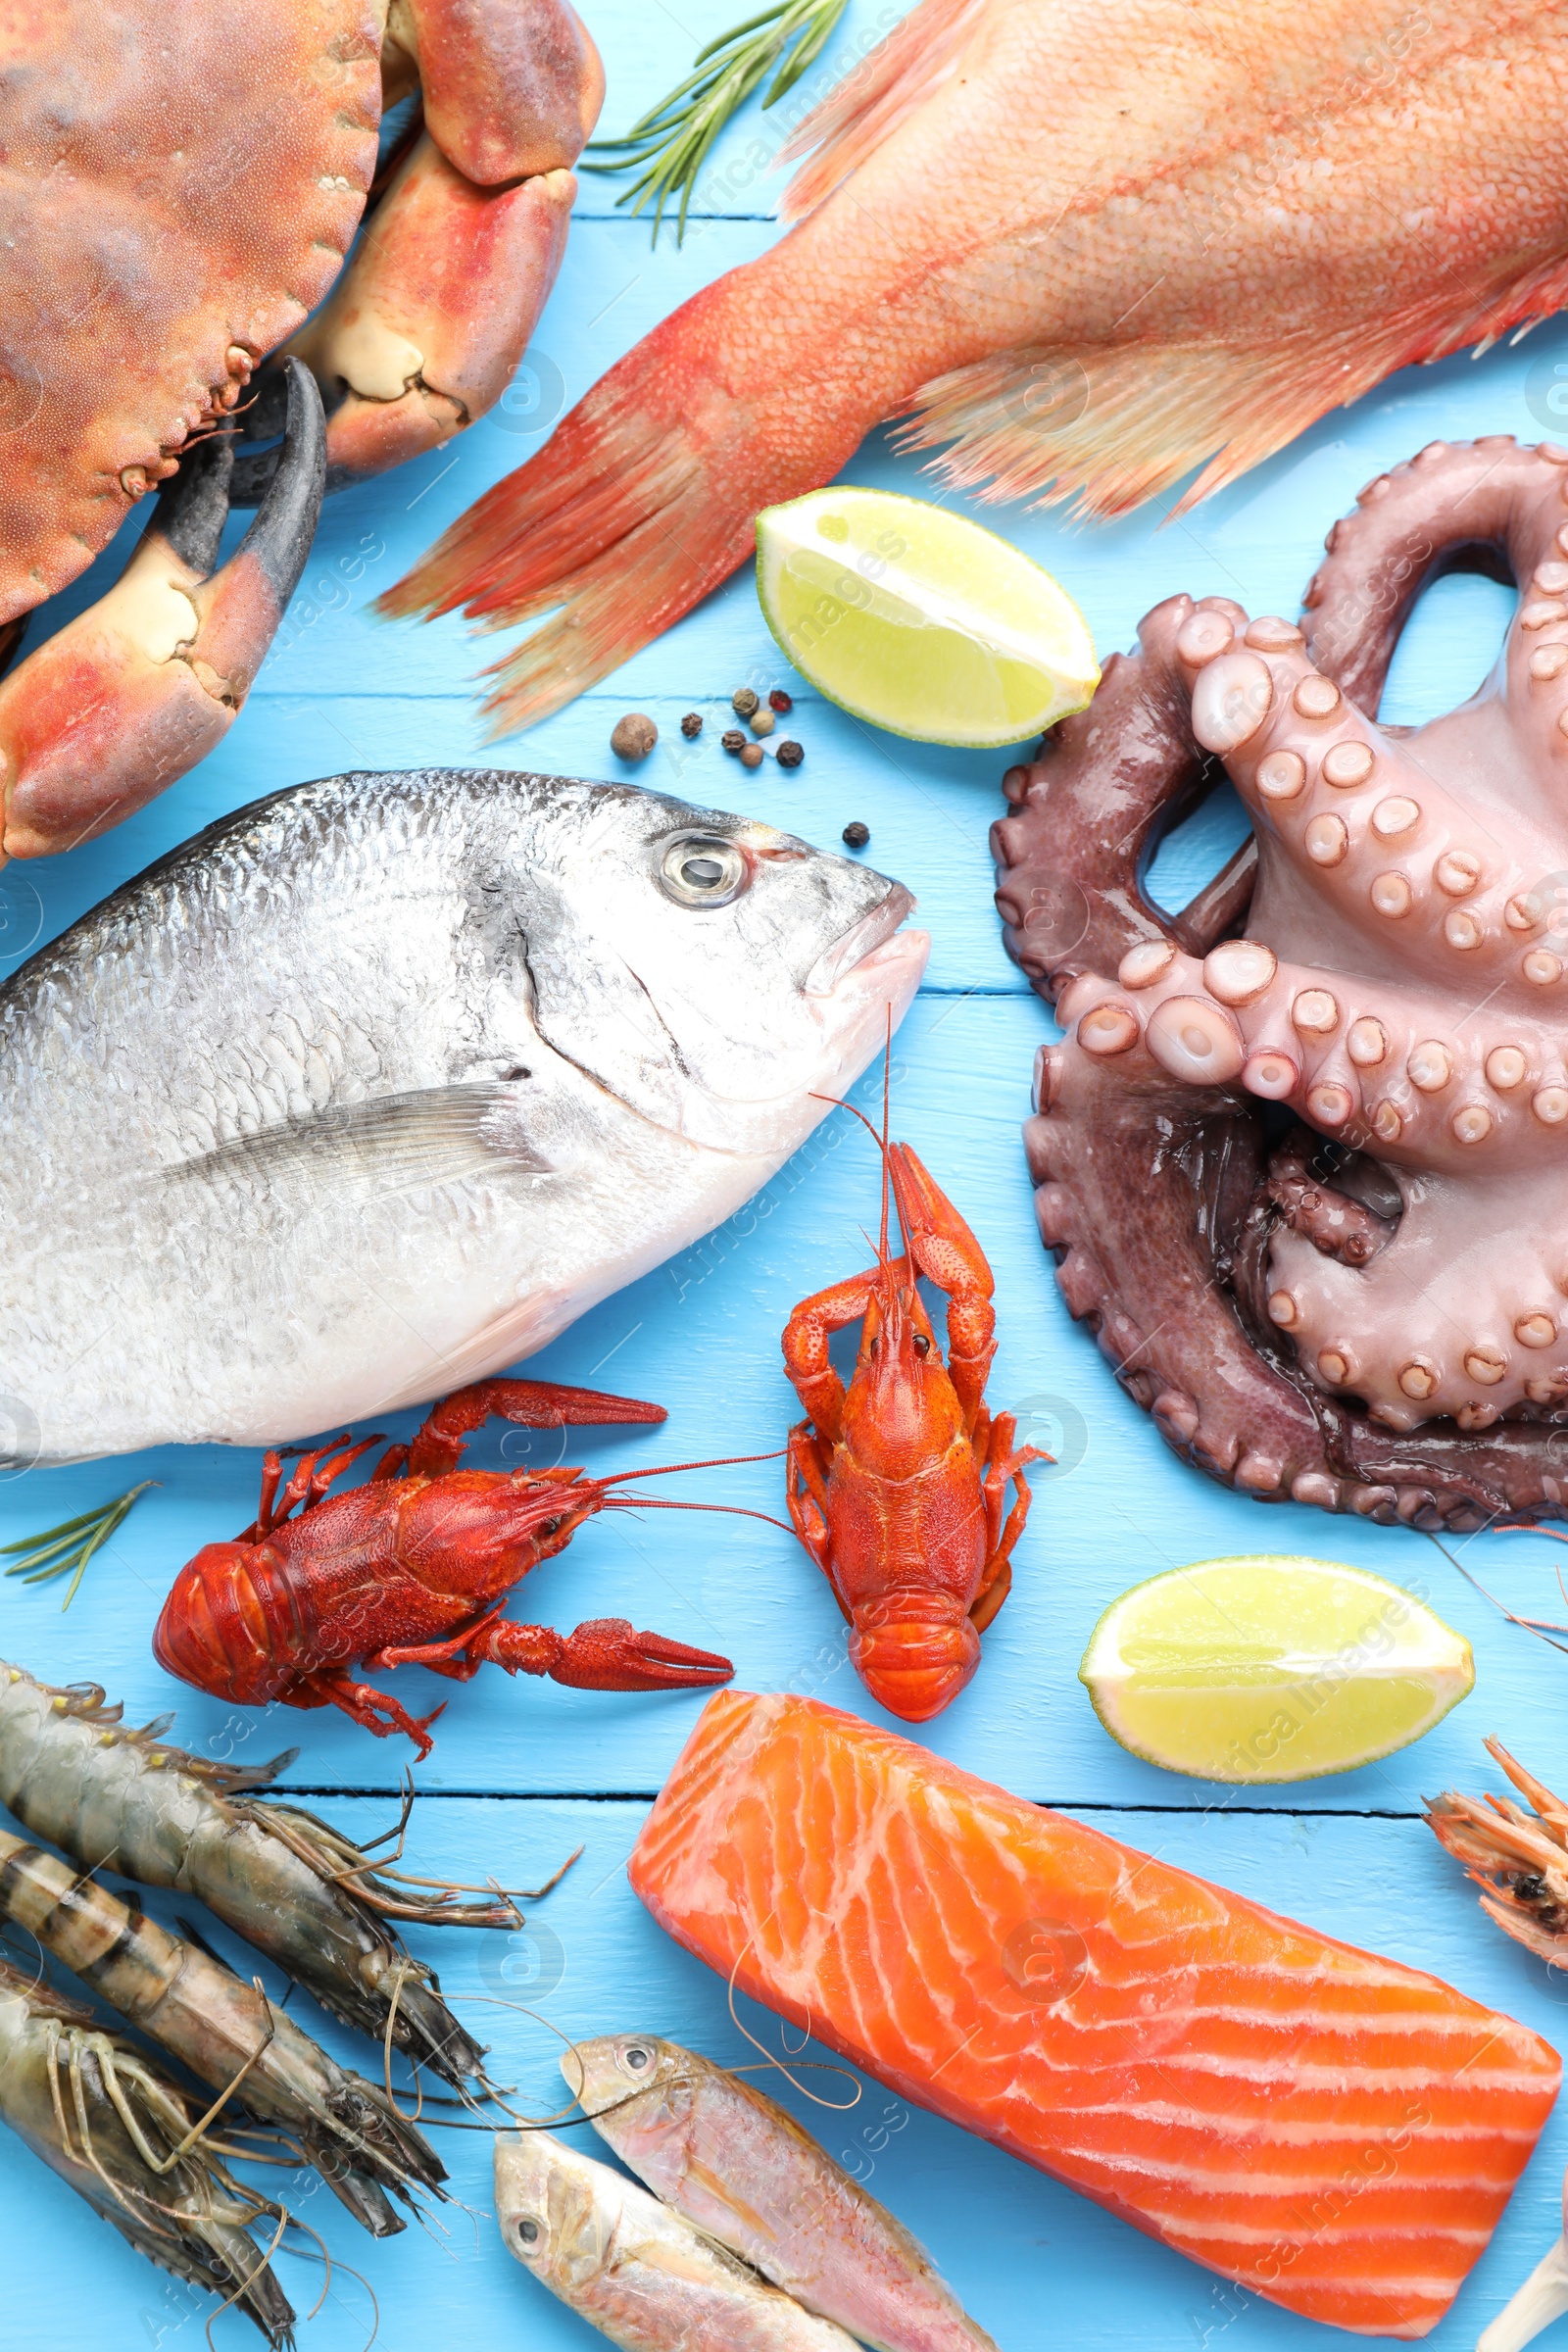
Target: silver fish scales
x=375, y=1085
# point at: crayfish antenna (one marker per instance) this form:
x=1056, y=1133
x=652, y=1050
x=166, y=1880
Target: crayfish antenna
x=723, y=1461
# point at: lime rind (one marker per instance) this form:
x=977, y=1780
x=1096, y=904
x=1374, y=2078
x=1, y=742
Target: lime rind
x=1269, y=1669
x=921, y=622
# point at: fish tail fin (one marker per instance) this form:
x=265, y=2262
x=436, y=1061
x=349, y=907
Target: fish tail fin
x=644, y=500
x=876, y=96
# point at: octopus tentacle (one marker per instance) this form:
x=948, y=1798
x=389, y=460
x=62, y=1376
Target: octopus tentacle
x=1475, y=506
x=1371, y=1312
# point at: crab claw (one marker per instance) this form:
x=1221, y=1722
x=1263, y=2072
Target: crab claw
x=139, y=687
x=425, y=328
x=605, y=1654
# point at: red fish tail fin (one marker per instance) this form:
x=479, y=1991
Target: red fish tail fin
x=876, y=96
x=616, y=527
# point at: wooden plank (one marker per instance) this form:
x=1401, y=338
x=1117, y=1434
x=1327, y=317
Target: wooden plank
x=592, y=1961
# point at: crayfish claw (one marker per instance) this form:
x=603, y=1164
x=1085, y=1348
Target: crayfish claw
x=925, y=1213
x=609, y=1655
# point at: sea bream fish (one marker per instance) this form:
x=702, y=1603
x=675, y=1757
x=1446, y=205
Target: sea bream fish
x=376, y=1085
x=639, y=2273
x=740, y=2167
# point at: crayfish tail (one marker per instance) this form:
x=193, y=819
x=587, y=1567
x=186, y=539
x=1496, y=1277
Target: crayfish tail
x=914, y=1651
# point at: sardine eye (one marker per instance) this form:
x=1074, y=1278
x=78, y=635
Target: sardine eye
x=637, y=2058
x=703, y=870
x=528, y=2232
x=922, y=1346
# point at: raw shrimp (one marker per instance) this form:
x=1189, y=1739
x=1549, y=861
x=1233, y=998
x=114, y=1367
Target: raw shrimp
x=224, y=2031
x=110, y=2123
x=125, y=1800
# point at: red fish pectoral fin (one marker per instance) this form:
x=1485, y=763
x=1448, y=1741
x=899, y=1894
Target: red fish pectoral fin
x=531, y=1403
x=605, y=1654
x=129, y=695
x=1055, y=421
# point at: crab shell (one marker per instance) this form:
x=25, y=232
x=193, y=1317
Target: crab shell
x=177, y=194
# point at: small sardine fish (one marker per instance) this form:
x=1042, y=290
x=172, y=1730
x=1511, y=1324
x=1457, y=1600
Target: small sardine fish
x=739, y=2165
x=639, y=2273
x=375, y=1085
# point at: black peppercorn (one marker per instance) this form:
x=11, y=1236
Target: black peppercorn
x=790, y=753
x=857, y=835
x=691, y=727
x=732, y=739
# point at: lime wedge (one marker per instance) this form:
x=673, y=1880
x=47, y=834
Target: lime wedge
x=919, y=621
x=1271, y=1668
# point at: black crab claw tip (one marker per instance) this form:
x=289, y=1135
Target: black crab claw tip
x=194, y=505
x=280, y=539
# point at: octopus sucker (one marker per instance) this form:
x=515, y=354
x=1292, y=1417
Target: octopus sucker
x=1301, y=1155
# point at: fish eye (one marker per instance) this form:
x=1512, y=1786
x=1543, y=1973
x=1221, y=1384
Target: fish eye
x=528, y=2230
x=922, y=1346
x=703, y=870
x=637, y=2058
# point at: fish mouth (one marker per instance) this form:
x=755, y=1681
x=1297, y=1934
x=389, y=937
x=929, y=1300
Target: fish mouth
x=858, y=942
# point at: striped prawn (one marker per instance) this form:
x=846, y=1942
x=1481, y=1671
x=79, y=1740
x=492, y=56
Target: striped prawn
x=112, y=1797
x=225, y=2032
x=116, y=2129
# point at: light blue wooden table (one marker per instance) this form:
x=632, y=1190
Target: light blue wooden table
x=523, y=1773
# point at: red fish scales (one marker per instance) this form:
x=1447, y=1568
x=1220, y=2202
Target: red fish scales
x=1337, y=2131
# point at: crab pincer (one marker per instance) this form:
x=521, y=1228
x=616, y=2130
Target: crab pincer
x=139, y=687
x=428, y=325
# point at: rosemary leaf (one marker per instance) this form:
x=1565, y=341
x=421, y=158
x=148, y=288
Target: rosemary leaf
x=59, y=1550
x=669, y=147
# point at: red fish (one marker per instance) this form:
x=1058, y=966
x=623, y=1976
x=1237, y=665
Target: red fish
x=1089, y=246
x=1336, y=2132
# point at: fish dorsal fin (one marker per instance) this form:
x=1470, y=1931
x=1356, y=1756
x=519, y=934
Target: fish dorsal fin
x=1111, y=426
x=392, y=1144
x=876, y=96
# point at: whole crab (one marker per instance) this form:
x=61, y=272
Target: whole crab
x=1303, y=1153
x=176, y=195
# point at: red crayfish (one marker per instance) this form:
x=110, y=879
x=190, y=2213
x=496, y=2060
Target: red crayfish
x=897, y=1485
x=413, y=1569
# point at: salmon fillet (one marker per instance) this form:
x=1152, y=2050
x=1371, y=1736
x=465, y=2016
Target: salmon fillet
x=1336, y=2132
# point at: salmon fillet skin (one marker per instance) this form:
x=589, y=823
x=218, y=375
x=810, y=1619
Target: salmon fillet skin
x=1336, y=2132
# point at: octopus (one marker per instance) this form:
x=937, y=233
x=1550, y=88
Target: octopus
x=1302, y=1152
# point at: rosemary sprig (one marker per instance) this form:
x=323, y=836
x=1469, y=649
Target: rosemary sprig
x=670, y=146
x=71, y=1544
